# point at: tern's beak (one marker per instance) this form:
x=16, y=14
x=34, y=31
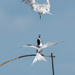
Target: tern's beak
x=40, y=13
x=40, y=17
x=39, y=36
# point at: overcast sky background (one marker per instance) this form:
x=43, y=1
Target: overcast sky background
x=20, y=25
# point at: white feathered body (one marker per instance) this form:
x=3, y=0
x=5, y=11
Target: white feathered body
x=44, y=8
x=40, y=8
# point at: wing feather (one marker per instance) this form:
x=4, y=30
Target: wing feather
x=29, y=2
x=29, y=45
x=50, y=44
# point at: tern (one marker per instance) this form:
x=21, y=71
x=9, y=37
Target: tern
x=39, y=47
x=40, y=8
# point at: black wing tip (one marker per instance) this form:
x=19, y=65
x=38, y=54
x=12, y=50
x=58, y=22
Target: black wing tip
x=61, y=42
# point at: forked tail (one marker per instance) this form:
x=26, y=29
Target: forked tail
x=38, y=57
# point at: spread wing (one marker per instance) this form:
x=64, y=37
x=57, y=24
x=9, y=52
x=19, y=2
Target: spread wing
x=50, y=44
x=29, y=2
x=48, y=5
x=29, y=45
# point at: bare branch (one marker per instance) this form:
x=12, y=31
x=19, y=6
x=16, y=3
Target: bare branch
x=24, y=56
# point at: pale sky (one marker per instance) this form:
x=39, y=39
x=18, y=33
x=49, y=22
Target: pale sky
x=20, y=25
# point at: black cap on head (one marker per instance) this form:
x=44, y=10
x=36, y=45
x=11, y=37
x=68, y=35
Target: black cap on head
x=38, y=40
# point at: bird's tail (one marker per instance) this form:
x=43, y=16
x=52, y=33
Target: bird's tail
x=38, y=57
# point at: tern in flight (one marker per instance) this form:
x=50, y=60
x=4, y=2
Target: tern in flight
x=39, y=47
x=40, y=8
